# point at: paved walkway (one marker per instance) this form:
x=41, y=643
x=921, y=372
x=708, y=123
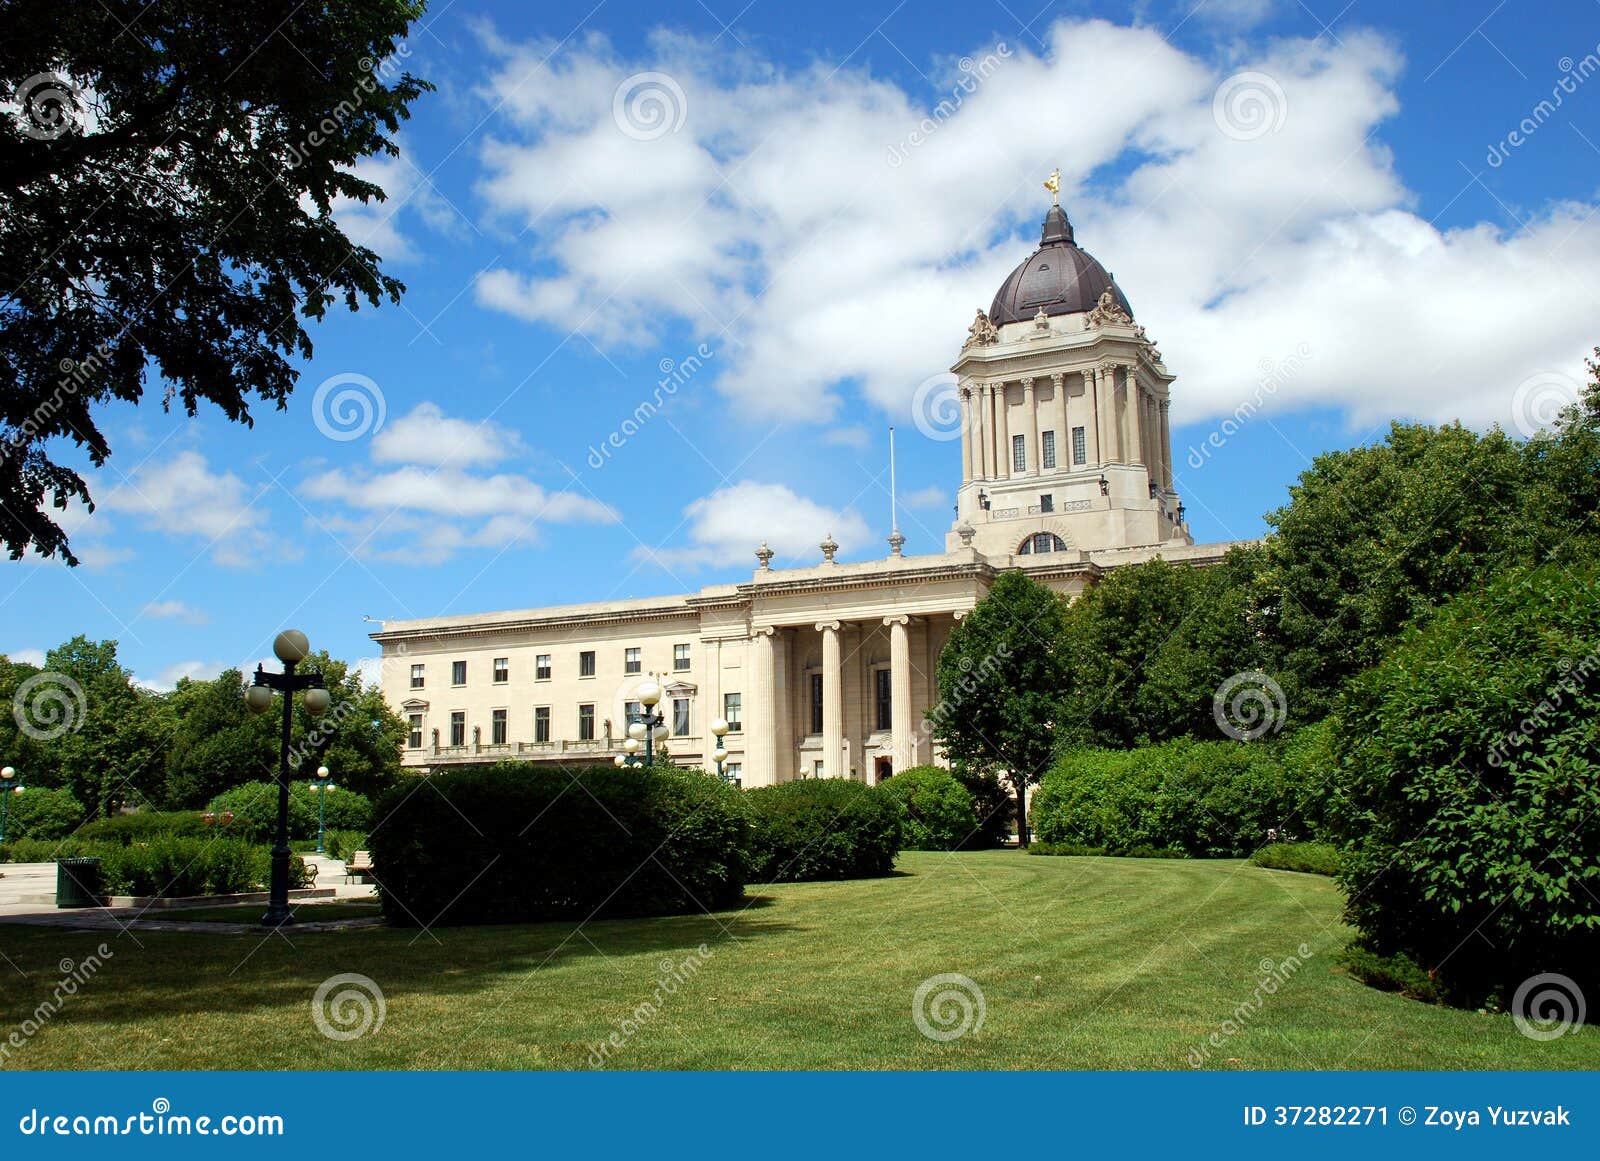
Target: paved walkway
x=28, y=896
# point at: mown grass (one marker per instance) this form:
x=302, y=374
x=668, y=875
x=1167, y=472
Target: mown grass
x=1083, y=963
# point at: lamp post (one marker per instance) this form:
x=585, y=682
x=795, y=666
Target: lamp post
x=291, y=648
x=719, y=727
x=10, y=783
x=323, y=786
x=648, y=727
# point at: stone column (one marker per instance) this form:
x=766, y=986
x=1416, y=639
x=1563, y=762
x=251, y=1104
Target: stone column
x=711, y=704
x=966, y=434
x=1063, y=426
x=1135, y=409
x=786, y=761
x=1002, y=431
x=1166, y=443
x=832, y=702
x=1034, y=461
x=980, y=430
x=760, y=720
x=903, y=741
x=1105, y=410
x=1091, y=420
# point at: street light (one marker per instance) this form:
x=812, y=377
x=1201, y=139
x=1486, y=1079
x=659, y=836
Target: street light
x=323, y=786
x=10, y=784
x=291, y=648
x=648, y=727
x=719, y=727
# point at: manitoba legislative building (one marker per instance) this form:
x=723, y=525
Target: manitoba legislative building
x=829, y=670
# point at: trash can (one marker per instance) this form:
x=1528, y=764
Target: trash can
x=77, y=882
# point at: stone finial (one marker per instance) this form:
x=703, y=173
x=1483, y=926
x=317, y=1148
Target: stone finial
x=829, y=546
x=966, y=532
x=896, y=542
x=765, y=554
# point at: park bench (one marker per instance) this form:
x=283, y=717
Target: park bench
x=359, y=865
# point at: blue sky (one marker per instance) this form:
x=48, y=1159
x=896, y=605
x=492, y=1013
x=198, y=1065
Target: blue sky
x=1320, y=211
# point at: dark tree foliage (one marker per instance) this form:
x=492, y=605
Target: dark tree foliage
x=165, y=210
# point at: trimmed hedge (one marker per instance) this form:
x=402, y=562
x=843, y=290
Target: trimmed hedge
x=144, y=826
x=940, y=814
x=167, y=865
x=513, y=843
x=1207, y=799
x=822, y=828
x=42, y=813
x=1308, y=858
x=1079, y=850
x=255, y=810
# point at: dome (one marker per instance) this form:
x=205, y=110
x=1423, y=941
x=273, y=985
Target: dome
x=1058, y=277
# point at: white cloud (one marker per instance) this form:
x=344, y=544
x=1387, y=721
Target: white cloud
x=426, y=436
x=184, y=497
x=175, y=611
x=34, y=657
x=726, y=527
x=775, y=209
x=930, y=497
x=855, y=436
x=408, y=191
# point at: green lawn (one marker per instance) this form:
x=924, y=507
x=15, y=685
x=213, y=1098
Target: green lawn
x=1083, y=963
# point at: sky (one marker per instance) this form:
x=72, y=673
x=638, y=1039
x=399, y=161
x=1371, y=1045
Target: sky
x=771, y=224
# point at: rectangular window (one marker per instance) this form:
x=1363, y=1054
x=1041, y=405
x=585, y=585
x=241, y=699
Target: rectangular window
x=586, y=722
x=732, y=709
x=680, y=657
x=1080, y=447
x=458, y=727
x=816, y=703
x=419, y=676
x=735, y=772
x=883, y=699
x=541, y=667
x=1047, y=503
x=816, y=768
x=1019, y=454
x=586, y=663
x=458, y=673
x=541, y=723
x=680, y=717
x=502, y=670
x=414, y=737
x=497, y=727
x=633, y=660
x=632, y=711
x=1047, y=449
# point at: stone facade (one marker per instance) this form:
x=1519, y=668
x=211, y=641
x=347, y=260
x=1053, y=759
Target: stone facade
x=1066, y=472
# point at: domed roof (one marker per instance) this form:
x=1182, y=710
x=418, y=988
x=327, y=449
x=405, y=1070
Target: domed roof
x=1058, y=277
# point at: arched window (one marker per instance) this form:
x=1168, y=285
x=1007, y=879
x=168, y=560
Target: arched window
x=1042, y=542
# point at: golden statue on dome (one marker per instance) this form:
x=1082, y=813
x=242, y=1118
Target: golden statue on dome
x=1053, y=184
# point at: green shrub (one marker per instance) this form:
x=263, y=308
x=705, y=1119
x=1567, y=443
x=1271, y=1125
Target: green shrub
x=42, y=813
x=1206, y=799
x=1469, y=788
x=341, y=844
x=1389, y=973
x=1078, y=849
x=175, y=866
x=1311, y=858
x=511, y=844
x=822, y=828
x=255, y=810
x=144, y=825
x=29, y=850
x=940, y=814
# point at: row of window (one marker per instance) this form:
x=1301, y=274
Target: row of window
x=1047, y=450
x=543, y=666
x=732, y=710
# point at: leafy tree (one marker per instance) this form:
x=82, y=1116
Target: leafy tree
x=217, y=742
x=17, y=747
x=939, y=812
x=166, y=198
x=41, y=813
x=1001, y=677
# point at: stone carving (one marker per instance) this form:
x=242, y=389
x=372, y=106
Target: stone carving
x=1108, y=310
x=1041, y=321
x=1150, y=344
x=765, y=554
x=829, y=546
x=966, y=532
x=982, y=332
x=896, y=542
